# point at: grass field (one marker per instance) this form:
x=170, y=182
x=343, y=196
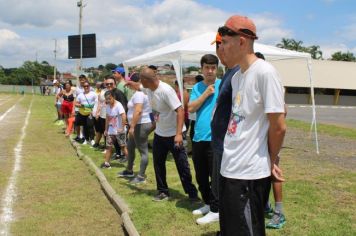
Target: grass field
x=58, y=196
x=319, y=194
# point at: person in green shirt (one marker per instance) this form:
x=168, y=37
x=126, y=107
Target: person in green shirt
x=119, y=74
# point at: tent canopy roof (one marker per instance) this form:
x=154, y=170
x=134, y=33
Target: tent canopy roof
x=191, y=50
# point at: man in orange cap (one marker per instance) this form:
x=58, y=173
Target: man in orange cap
x=254, y=134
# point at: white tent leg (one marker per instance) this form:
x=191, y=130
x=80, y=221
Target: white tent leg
x=313, y=123
x=178, y=68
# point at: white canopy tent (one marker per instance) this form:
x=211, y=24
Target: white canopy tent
x=191, y=50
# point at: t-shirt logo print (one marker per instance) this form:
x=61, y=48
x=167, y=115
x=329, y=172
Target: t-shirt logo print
x=236, y=116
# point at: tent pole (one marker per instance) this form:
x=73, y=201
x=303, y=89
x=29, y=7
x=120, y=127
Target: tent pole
x=313, y=107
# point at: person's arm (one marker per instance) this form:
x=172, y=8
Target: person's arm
x=276, y=132
x=133, y=85
x=106, y=125
x=178, y=139
x=193, y=106
x=136, y=117
x=124, y=122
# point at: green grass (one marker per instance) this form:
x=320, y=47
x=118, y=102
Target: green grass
x=56, y=193
x=319, y=196
x=324, y=129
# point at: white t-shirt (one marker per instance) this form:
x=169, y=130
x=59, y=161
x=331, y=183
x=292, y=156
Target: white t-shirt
x=164, y=102
x=87, y=99
x=113, y=116
x=100, y=102
x=139, y=98
x=255, y=93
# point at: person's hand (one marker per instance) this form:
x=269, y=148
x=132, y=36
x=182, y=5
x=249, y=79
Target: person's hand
x=97, y=116
x=209, y=90
x=105, y=133
x=178, y=140
x=277, y=174
x=131, y=132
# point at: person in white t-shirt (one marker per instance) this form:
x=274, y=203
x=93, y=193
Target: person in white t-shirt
x=85, y=103
x=169, y=117
x=255, y=132
x=115, y=127
x=140, y=124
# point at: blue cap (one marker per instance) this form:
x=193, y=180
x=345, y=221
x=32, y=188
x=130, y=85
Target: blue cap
x=119, y=69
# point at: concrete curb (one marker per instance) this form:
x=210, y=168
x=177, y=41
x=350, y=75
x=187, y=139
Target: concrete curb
x=118, y=203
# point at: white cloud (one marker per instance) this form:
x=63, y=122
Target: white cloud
x=328, y=50
x=123, y=28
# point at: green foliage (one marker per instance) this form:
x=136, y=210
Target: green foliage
x=340, y=56
x=30, y=72
x=292, y=44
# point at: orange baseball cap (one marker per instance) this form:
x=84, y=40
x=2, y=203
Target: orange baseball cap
x=217, y=39
x=242, y=24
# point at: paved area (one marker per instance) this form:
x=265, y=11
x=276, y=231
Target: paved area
x=344, y=116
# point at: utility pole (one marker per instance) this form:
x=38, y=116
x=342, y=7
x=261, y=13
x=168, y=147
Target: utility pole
x=80, y=5
x=55, y=60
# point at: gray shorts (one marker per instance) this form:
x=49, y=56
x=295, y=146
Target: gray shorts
x=120, y=138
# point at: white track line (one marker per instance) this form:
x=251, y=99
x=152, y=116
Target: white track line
x=8, y=199
x=9, y=110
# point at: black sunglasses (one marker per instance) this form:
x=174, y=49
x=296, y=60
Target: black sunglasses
x=223, y=31
x=111, y=84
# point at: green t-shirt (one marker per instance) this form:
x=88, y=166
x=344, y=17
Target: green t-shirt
x=127, y=92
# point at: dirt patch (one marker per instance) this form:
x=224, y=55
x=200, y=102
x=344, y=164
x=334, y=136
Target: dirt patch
x=334, y=150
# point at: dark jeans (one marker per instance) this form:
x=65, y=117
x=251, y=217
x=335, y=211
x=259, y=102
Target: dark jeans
x=203, y=164
x=161, y=147
x=242, y=206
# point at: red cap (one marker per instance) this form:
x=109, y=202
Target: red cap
x=217, y=39
x=240, y=24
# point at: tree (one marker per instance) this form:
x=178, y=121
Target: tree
x=286, y=43
x=292, y=44
x=339, y=56
x=315, y=52
x=110, y=66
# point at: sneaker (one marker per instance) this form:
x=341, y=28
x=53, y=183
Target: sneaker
x=277, y=221
x=126, y=173
x=138, y=180
x=208, y=218
x=202, y=210
x=95, y=145
x=104, y=151
x=92, y=142
x=160, y=197
x=269, y=212
x=77, y=139
x=122, y=159
x=115, y=156
x=105, y=165
x=85, y=142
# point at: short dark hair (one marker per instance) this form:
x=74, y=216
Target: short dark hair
x=209, y=59
x=260, y=55
x=109, y=93
x=82, y=76
x=152, y=67
x=135, y=77
x=111, y=77
x=199, y=78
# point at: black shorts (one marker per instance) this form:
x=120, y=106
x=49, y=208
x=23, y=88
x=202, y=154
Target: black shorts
x=99, y=125
x=80, y=120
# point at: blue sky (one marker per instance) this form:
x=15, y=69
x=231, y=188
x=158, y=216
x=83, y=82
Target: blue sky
x=127, y=28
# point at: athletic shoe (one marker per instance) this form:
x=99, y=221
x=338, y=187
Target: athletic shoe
x=115, y=156
x=106, y=165
x=160, y=197
x=77, y=139
x=208, y=218
x=122, y=159
x=85, y=142
x=277, y=221
x=126, y=173
x=269, y=212
x=96, y=145
x=138, y=180
x=92, y=142
x=202, y=210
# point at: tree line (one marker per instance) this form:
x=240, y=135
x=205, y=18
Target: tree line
x=314, y=50
x=32, y=71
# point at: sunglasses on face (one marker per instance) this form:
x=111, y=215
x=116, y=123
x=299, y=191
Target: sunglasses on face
x=86, y=86
x=109, y=84
x=223, y=31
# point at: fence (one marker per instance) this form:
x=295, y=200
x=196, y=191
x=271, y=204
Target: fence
x=26, y=89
